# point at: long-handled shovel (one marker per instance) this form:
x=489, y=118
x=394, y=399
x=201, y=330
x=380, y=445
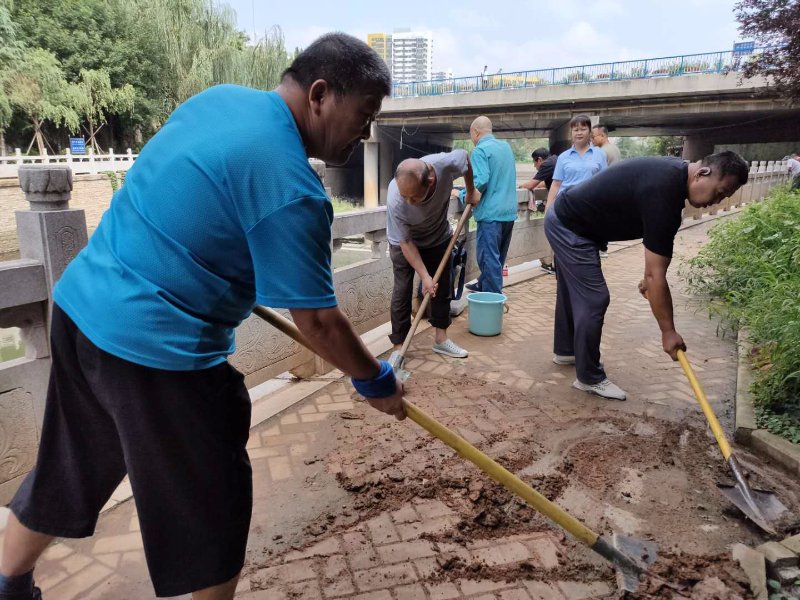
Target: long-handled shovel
x=761, y=506
x=630, y=557
x=398, y=357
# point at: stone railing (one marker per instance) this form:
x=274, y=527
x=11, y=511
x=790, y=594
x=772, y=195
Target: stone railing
x=79, y=163
x=51, y=234
x=764, y=175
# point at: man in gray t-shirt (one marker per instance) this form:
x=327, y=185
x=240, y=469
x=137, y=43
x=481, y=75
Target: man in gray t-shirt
x=419, y=233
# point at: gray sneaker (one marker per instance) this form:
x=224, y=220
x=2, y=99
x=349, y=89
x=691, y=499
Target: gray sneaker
x=567, y=360
x=450, y=348
x=563, y=360
x=605, y=388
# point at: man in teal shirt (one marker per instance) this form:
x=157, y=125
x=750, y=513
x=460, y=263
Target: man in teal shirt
x=495, y=176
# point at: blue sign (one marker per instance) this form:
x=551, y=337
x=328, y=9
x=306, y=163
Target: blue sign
x=77, y=146
x=741, y=48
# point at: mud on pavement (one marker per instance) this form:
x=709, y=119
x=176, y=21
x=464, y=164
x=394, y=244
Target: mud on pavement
x=639, y=476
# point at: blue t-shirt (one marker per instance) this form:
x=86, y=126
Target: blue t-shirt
x=572, y=168
x=495, y=175
x=220, y=211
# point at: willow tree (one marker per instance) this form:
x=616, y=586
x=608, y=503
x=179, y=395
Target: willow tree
x=201, y=47
x=35, y=86
x=99, y=99
x=10, y=49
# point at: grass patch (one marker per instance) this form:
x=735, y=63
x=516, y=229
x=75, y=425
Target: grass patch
x=750, y=274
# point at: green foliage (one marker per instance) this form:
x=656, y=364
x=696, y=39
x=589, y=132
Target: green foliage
x=664, y=145
x=98, y=98
x=36, y=87
x=750, y=272
x=116, y=178
x=135, y=60
x=785, y=425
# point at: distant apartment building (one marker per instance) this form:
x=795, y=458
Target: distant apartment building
x=382, y=44
x=438, y=75
x=412, y=55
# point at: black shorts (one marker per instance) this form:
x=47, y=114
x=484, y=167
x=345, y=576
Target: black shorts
x=179, y=435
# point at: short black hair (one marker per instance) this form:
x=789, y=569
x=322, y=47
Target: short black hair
x=602, y=128
x=727, y=163
x=345, y=62
x=580, y=120
x=540, y=153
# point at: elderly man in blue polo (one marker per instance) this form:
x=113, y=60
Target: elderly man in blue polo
x=495, y=177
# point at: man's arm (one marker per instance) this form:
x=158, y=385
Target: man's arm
x=655, y=288
x=333, y=338
x=532, y=184
x=480, y=169
x=411, y=253
x=473, y=196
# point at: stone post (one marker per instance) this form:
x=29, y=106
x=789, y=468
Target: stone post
x=50, y=232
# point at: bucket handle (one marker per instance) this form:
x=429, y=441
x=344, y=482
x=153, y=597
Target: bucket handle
x=505, y=308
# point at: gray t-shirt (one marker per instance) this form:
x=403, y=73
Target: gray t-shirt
x=425, y=223
x=612, y=153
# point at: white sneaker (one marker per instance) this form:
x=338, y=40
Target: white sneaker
x=603, y=254
x=450, y=348
x=605, y=388
x=563, y=360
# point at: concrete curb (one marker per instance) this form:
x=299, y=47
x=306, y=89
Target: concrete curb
x=761, y=441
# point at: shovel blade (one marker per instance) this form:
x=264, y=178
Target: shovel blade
x=764, y=509
x=641, y=552
x=397, y=361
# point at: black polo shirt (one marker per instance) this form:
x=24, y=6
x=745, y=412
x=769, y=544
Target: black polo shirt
x=546, y=170
x=636, y=198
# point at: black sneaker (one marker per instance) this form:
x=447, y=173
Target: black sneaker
x=36, y=594
x=548, y=268
x=473, y=287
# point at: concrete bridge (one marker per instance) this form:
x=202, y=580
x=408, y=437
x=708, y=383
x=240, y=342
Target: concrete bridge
x=700, y=97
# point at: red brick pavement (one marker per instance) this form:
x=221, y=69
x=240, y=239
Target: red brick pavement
x=397, y=553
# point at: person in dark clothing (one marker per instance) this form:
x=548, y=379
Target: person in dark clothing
x=545, y=164
x=639, y=198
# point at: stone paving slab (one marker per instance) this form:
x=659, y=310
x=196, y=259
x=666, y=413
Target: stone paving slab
x=392, y=556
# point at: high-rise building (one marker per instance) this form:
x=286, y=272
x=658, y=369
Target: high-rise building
x=382, y=44
x=412, y=55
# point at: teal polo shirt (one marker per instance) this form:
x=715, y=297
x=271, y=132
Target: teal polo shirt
x=220, y=211
x=495, y=176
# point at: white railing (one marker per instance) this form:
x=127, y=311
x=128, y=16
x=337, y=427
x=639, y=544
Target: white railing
x=80, y=163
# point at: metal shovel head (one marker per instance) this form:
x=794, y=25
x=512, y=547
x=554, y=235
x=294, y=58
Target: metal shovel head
x=642, y=552
x=397, y=361
x=764, y=509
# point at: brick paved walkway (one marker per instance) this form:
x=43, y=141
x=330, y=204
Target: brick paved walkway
x=396, y=554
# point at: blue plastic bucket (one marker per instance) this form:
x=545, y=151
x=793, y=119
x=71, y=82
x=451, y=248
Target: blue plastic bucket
x=486, y=313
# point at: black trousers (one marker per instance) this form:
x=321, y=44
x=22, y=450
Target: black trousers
x=179, y=435
x=404, y=289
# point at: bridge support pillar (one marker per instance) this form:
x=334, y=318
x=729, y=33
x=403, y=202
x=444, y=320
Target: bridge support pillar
x=696, y=147
x=561, y=138
x=378, y=160
x=371, y=171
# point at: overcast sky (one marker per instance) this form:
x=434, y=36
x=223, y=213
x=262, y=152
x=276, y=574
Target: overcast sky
x=516, y=35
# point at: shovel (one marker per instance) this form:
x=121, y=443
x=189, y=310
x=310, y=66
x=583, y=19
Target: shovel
x=630, y=557
x=398, y=357
x=760, y=506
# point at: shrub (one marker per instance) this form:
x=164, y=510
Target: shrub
x=750, y=273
